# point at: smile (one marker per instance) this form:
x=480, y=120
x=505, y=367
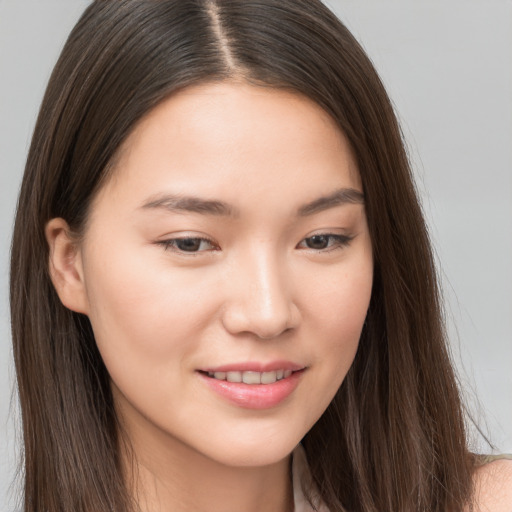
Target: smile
x=250, y=377
x=253, y=385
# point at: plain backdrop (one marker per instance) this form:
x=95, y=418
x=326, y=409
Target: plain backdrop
x=447, y=65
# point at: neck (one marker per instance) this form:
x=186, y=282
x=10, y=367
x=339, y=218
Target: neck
x=165, y=475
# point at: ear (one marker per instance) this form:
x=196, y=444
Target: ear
x=65, y=266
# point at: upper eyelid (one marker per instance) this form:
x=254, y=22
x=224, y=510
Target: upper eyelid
x=343, y=239
x=327, y=233
x=212, y=241
x=171, y=238
x=170, y=242
x=209, y=239
x=345, y=236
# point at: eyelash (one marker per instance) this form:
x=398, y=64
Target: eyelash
x=338, y=241
x=334, y=242
x=172, y=244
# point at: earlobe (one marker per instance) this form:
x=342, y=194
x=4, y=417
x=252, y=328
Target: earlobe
x=65, y=266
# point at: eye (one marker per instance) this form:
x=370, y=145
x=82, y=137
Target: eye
x=188, y=244
x=325, y=242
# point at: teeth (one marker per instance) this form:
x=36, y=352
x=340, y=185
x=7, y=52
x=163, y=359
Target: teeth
x=252, y=377
x=268, y=377
x=234, y=376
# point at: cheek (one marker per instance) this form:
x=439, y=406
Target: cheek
x=341, y=302
x=340, y=312
x=339, y=307
x=142, y=314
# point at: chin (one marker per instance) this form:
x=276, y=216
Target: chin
x=259, y=448
x=254, y=457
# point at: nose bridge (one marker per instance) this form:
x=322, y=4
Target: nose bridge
x=269, y=290
x=261, y=301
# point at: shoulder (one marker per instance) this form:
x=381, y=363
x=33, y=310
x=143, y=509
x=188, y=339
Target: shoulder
x=493, y=485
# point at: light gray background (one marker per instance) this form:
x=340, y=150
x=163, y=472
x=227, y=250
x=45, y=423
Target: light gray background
x=447, y=65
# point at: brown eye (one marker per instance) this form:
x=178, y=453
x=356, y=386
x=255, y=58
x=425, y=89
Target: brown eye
x=325, y=242
x=188, y=244
x=317, y=242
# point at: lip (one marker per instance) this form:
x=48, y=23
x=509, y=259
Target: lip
x=254, y=367
x=254, y=396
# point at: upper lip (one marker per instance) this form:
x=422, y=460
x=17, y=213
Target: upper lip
x=254, y=366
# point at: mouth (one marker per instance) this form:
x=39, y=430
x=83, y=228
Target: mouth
x=251, y=377
x=255, y=386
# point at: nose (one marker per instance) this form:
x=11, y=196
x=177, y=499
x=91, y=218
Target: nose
x=260, y=299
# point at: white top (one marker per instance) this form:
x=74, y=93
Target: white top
x=301, y=476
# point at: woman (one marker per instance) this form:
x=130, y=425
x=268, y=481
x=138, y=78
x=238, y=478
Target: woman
x=218, y=255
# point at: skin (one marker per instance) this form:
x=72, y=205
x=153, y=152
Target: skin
x=254, y=291
x=254, y=288
x=493, y=487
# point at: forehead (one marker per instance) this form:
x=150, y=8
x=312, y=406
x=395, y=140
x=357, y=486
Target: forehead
x=234, y=140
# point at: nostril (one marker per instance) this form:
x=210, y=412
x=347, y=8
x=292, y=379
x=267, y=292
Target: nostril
x=273, y=335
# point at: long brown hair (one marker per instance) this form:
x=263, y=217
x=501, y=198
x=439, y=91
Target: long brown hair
x=393, y=438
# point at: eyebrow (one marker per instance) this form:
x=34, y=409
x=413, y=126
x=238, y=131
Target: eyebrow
x=337, y=198
x=183, y=204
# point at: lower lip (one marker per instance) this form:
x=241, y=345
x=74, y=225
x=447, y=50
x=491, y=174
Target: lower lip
x=255, y=396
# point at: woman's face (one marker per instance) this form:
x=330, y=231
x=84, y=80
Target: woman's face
x=230, y=244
